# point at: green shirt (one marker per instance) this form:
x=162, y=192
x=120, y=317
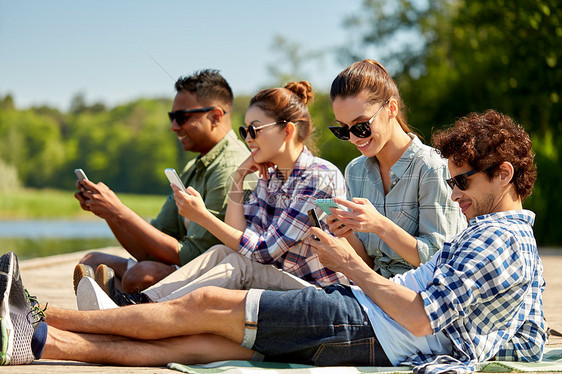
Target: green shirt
x=211, y=176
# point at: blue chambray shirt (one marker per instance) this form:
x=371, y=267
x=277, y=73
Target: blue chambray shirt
x=419, y=201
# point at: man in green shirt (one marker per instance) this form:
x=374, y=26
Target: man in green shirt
x=200, y=118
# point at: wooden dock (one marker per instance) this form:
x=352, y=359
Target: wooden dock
x=50, y=279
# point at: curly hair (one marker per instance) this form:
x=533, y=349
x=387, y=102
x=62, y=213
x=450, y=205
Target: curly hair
x=485, y=141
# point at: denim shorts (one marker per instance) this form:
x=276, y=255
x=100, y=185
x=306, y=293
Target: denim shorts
x=321, y=327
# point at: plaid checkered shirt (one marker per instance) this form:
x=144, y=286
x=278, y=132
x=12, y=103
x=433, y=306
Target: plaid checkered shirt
x=277, y=220
x=486, y=294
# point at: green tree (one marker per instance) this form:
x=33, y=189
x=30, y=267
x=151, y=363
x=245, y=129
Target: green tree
x=32, y=144
x=291, y=61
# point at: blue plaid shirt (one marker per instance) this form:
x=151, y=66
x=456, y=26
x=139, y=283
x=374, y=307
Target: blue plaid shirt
x=277, y=220
x=486, y=294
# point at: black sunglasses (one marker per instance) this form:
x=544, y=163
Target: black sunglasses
x=253, y=131
x=182, y=116
x=461, y=180
x=360, y=130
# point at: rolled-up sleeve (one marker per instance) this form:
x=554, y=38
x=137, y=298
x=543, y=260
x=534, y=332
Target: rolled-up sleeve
x=439, y=217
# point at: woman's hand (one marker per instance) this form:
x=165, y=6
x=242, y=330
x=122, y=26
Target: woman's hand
x=190, y=205
x=362, y=216
x=250, y=166
x=338, y=228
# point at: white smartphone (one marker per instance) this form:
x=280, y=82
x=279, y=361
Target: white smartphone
x=80, y=174
x=174, y=179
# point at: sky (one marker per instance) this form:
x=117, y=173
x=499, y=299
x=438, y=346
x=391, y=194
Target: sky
x=114, y=51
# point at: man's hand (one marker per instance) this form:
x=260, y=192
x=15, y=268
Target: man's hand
x=98, y=199
x=79, y=195
x=334, y=253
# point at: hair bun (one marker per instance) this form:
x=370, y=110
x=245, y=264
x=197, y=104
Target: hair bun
x=302, y=89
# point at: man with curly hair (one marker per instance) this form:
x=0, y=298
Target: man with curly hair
x=479, y=298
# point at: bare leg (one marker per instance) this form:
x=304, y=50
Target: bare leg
x=109, y=349
x=209, y=310
x=144, y=274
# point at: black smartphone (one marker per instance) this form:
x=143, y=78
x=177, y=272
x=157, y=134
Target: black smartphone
x=314, y=219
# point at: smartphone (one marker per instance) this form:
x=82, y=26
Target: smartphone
x=174, y=179
x=314, y=219
x=80, y=174
x=326, y=204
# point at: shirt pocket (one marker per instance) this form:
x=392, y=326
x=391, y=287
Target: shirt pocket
x=407, y=218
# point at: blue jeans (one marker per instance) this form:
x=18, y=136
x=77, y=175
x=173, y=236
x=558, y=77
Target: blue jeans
x=321, y=327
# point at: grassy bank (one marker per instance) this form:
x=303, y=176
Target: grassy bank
x=47, y=203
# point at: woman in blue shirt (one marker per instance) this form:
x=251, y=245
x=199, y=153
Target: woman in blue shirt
x=400, y=212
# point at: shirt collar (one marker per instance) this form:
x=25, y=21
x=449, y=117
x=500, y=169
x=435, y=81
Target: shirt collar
x=400, y=166
x=210, y=156
x=522, y=215
x=277, y=180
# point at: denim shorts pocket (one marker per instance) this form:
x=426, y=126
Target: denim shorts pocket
x=358, y=352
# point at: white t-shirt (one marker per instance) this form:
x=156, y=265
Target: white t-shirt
x=398, y=343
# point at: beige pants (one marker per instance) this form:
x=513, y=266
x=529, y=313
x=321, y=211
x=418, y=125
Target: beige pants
x=222, y=267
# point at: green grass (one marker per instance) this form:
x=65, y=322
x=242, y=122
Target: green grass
x=47, y=203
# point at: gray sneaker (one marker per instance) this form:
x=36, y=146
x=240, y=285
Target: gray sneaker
x=19, y=314
x=81, y=271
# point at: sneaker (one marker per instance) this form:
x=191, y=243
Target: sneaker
x=19, y=314
x=105, y=278
x=81, y=271
x=90, y=296
x=124, y=299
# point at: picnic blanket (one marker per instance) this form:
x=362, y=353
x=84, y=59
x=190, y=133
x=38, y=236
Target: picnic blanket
x=552, y=362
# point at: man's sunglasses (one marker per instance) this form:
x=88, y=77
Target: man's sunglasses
x=253, y=131
x=461, y=180
x=182, y=116
x=360, y=130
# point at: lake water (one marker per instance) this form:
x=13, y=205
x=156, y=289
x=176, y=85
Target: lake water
x=39, y=238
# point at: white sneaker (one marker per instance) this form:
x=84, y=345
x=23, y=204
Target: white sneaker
x=89, y=296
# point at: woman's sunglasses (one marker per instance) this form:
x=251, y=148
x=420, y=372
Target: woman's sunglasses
x=183, y=115
x=461, y=180
x=360, y=130
x=253, y=131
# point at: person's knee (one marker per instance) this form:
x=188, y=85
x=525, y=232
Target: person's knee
x=209, y=298
x=220, y=249
x=143, y=275
x=93, y=259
